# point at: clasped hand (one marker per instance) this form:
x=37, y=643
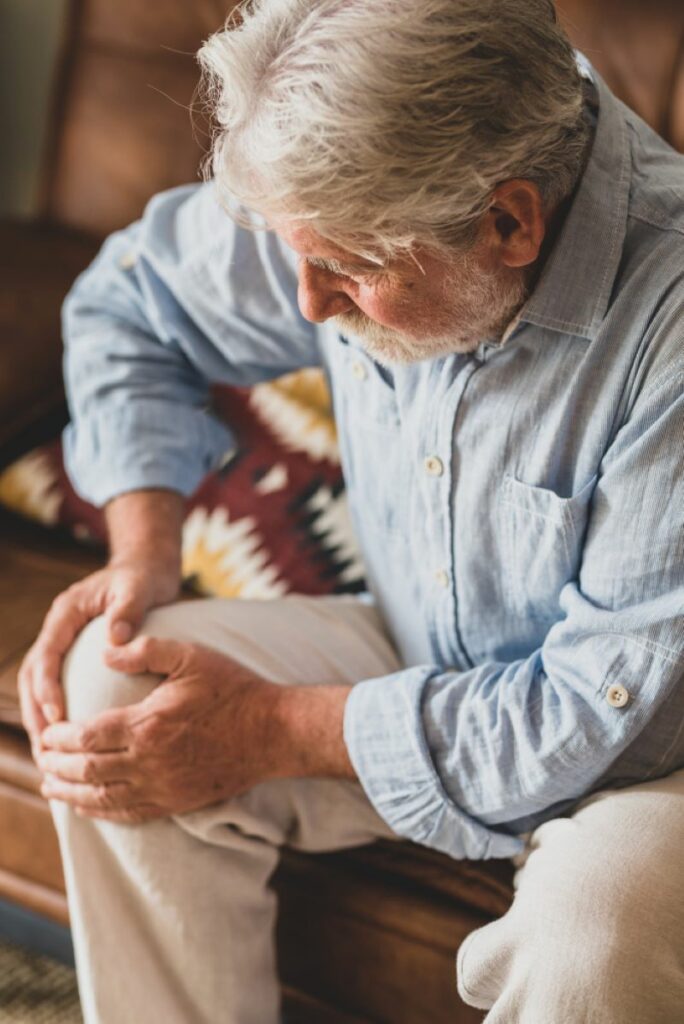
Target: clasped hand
x=200, y=736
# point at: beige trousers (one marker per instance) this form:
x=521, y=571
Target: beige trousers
x=174, y=918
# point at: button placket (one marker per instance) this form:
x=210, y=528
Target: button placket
x=446, y=621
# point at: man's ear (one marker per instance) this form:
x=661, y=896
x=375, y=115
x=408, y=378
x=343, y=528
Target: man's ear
x=516, y=224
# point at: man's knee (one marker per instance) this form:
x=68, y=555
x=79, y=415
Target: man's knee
x=91, y=686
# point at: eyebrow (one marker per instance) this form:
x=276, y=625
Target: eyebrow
x=338, y=267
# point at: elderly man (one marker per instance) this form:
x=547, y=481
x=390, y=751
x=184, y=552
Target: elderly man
x=483, y=248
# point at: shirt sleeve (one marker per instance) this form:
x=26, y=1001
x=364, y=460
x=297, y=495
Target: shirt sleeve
x=180, y=300
x=467, y=761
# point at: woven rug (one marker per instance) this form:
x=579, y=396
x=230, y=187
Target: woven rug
x=35, y=989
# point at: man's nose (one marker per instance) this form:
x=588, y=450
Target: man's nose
x=320, y=295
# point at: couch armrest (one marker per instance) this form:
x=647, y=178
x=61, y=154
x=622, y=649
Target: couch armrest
x=38, y=263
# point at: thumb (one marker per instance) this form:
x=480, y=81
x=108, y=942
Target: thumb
x=125, y=616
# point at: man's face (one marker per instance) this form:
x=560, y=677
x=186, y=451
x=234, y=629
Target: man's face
x=412, y=309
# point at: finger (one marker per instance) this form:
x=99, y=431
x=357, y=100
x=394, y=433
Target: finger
x=136, y=815
x=126, y=609
x=90, y=768
x=114, y=797
x=66, y=617
x=108, y=731
x=32, y=717
x=147, y=654
x=47, y=688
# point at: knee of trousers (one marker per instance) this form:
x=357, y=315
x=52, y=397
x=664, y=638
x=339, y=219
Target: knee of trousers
x=596, y=921
x=91, y=686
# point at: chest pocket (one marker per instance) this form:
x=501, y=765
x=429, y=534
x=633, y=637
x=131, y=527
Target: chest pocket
x=543, y=538
x=373, y=459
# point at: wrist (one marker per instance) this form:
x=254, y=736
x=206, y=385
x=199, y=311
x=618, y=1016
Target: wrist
x=160, y=562
x=306, y=732
x=145, y=531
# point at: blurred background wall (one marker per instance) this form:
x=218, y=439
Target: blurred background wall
x=30, y=32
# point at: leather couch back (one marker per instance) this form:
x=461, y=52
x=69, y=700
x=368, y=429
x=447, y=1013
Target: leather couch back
x=121, y=127
x=638, y=47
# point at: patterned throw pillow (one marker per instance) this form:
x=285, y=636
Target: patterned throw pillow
x=272, y=520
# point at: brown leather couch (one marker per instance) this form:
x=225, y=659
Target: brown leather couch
x=368, y=935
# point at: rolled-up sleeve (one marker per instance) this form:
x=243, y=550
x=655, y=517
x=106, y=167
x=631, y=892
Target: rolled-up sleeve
x=467, y=761
x=178, y=301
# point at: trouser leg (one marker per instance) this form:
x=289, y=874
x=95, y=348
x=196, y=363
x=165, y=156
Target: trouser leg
x=595, y=934
x=174, y=917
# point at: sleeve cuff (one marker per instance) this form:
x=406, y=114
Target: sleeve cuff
x=172, y=449
x=384, y=734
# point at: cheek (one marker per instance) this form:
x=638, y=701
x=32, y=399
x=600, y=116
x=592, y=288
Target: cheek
x=396, y=310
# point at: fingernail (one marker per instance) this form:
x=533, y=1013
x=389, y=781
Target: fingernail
x=121, y=632
x=51, y=712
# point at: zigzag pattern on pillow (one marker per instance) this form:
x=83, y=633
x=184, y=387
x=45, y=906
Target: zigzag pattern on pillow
x=272, y=520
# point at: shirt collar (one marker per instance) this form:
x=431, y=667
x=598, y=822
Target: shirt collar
x=573, y=292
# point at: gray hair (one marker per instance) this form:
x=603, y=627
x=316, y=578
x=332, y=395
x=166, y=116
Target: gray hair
x=384, y=123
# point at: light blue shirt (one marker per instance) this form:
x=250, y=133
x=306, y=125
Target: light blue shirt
x=520, y=510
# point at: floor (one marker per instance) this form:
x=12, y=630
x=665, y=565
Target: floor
x=35, y=989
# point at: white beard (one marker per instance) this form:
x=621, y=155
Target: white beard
x=477, y=305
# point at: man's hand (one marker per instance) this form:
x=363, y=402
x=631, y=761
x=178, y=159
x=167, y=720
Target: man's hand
x=206, y=733
x=144, y=530
x=124, y=593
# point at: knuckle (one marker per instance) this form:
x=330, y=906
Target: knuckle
x=147, y=645
x=62, y=603
x=89, y=769
x=85, y=737
x=147, y=735
x=188, y=652
x=105, y=798
x=129, y=587
x=28, y=659
x=125, y=580
x=40, y=650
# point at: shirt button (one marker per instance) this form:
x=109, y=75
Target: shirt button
x=128, y=260
x=359, y=371
x=442, y=578
x=617, y=696
x=433, y=465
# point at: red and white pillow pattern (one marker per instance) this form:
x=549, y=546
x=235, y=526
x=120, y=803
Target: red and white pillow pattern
x=271, y=521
